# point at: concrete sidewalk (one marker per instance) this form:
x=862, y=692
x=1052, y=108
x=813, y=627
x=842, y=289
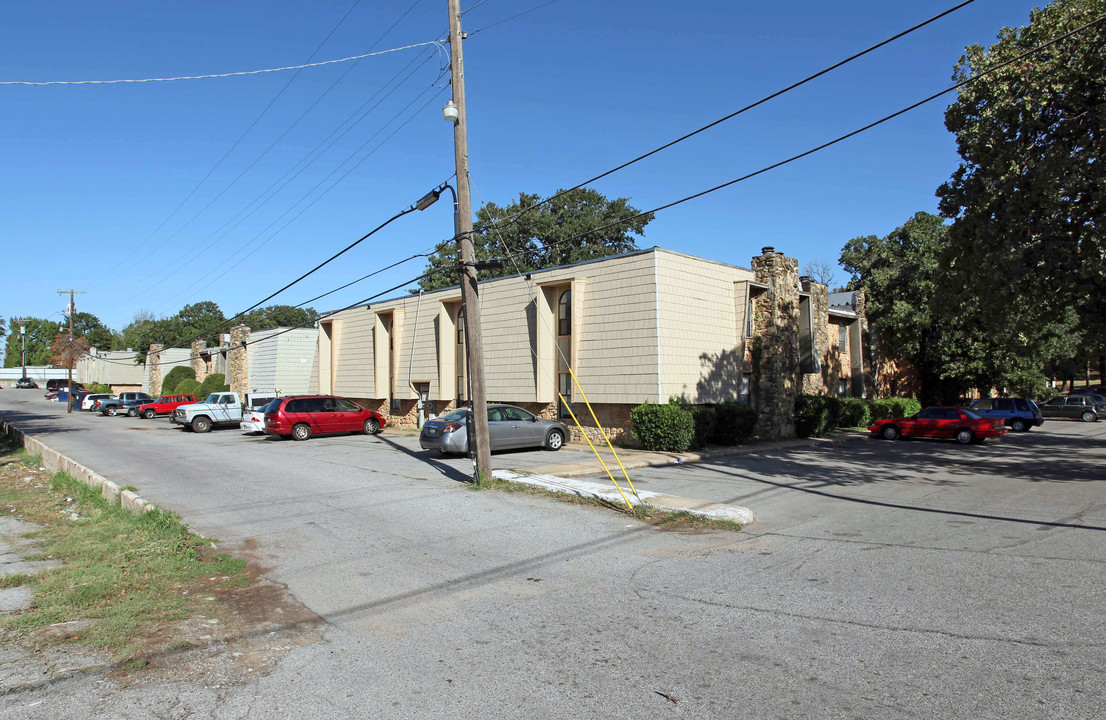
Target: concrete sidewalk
x=560, y=477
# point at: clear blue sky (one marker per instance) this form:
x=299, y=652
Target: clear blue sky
x=93, y=175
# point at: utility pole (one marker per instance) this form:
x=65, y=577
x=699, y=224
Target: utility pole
x=474, y=346
x=69, y=358
x=23, y=347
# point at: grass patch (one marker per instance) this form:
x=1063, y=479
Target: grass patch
x=664, y=519
x=15, y=580
x=123, y=574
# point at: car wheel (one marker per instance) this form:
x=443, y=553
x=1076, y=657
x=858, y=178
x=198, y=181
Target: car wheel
x=1019, y=425
x=371, y=427
x=964, y=436
x=889, y=432
x=201, y=424
x=301, y=432
x=111, y=411
x=1089, y=416
x=132, y=413
x=555, y=440
x=148, y=414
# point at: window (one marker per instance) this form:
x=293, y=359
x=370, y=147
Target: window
x=984, y=404
x=564, y=314
x=746, y=388
x=460, y=388
x=495, y=415
x=1021, y=404
x=347, y=406
x=842, y=387
x=749, y=317
x=1055, y=401
x=842, y=338
x=517, y=414
x=1075, y=400
x=460, y=328
x=564, y=387
x=1004, y=404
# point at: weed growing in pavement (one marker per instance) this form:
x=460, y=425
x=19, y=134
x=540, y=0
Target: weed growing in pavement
x=121, y=574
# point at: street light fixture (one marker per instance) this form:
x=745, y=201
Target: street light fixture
x=450, y=112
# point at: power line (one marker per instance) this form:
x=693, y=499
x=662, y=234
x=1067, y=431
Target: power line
x=846, y=136
x=317, y=198
x=506, y=19
x=223, y=75
x=734, y=114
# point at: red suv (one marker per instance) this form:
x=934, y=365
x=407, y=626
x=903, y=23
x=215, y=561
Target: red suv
x=303, y=416
x=164, y=405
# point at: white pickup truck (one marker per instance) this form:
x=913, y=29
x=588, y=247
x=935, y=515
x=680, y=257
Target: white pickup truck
x=221, y=408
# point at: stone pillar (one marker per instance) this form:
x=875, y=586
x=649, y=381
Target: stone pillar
x=199, y=365
x=776, y=325
x=153, y=360
x=819, y=382
x=238, y=366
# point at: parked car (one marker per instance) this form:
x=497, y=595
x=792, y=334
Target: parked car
x=163, y=405
x=940, y=422
x=26, y=383
x=124, y=402
x=51, y=395
x=508, y=426
x=253, y=416
x=1090, y=390
x=1019, y=414
x=219, y=409
x=58, y=383
x=300, y=417
x=89, y=402
x=1074, y=407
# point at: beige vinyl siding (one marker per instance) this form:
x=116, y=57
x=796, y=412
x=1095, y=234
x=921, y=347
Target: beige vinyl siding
x=508, y=361
x=353, y=354
x=423, y=335
x=700, y=330
x=282, y=359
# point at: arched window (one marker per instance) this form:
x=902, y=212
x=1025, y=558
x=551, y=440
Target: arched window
x=564, y=313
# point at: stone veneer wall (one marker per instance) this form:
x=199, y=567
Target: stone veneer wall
x=776, y=322
x=238, y=365
x=153, y=357
x=199, y=365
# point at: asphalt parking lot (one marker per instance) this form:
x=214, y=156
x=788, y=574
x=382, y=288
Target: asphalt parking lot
x=879, y=579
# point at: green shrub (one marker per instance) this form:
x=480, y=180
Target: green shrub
x=178, y=374
x=894, y=407
x=910, y=406
x=734, y=423
x=98, y=388
x=668, y=428
x=186, y=387
x=855, y=412
x=705, y=419
x=816, y=415
x=212, y=383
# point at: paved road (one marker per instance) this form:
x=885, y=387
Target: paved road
x=909, y=579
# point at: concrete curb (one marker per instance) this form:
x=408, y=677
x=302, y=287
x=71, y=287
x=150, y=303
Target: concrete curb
x=55, y=462
x=582, y=488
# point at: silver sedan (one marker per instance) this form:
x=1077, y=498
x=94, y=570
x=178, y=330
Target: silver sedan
x=509, y=427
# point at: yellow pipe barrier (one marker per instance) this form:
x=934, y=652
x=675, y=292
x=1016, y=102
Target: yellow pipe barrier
x=600, y=428
x=569, y=408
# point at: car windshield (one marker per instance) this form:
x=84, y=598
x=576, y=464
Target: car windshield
x=454, y=416
x=213, y=399
x=272, y=407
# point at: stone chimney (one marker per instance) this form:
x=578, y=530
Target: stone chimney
x=776, y=324
x=238, y=365
x=153, y=361
x=199, y=364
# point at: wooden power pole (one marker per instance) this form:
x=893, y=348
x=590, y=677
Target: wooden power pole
x=69, y=355
x=474, y=346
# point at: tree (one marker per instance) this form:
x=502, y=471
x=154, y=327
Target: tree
x=204, y=319
x=920, y=312
x=275, y=316
x=573, y=228
x=64, y=352
x=89, y=327
x=1027, y=200
x=40, y=335
x=821, y=272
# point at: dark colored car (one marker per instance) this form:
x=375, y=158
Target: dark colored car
x=1074, y=407
x=1019, y=414
x=509, y=427
x=125, y=402
x=1090, y=390
x=163, y=405
x=26, y=383
x=58, y=384
x=300, y=417
x=940, y=422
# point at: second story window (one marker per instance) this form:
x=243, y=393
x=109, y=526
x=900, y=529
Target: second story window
x=842, y=338
x=564, y=313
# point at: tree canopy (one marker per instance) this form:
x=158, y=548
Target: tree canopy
x=40, y=335
x=274, y=316
x=580, y=225
x=1029, y=233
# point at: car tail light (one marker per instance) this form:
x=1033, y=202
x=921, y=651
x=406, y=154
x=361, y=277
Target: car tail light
x=452, y=427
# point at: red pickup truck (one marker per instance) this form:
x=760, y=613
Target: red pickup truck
x=164, y=405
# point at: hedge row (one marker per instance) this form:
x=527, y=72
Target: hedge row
x=173, y=379
x=816, y=415
x=676, y=427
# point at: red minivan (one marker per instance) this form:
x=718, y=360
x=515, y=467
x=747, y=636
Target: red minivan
x=303, y=416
